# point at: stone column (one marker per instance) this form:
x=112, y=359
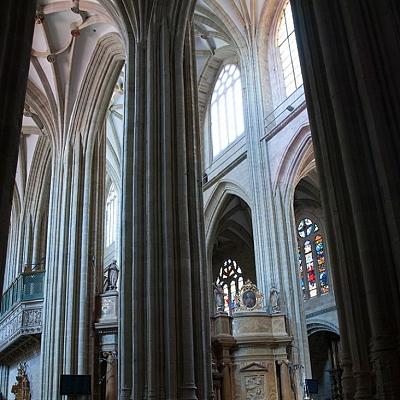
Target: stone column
x=111, y=377
x=76, y=228
x=16, y=35
x=163, y=298
x=285, y=381
x=4, y=377
x=350, y=55
x=70, y=283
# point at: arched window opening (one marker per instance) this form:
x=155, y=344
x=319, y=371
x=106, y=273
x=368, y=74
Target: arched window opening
x=230, y=277
x=226, y=109
x=288, y=51
x=312, y=265
x=111, y=215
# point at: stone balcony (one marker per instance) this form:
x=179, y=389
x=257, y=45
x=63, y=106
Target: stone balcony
x=21, y=316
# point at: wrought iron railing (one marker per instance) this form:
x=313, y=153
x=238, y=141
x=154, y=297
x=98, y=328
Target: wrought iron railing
x=284, y=109
x=27, y=286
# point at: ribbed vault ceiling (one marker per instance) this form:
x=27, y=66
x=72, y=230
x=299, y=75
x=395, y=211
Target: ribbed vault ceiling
x=65, y=38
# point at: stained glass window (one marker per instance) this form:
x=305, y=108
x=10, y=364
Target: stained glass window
x=231, y=279
x=312, y=264
x=226, y=108
x=305, y=227
x=312, y=288
x=319, y=250
x=303, y=286
x=288, y=51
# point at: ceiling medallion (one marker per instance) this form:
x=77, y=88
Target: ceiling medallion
x=76, y=33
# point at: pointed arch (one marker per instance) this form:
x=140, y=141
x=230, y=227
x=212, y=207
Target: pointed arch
x=297, y=159
x=318, y=325
x=217, y=202
x=97, y=87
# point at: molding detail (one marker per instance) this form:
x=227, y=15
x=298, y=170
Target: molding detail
x=26, y=319
x=316, y=313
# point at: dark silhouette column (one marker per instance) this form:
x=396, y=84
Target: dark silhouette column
x=16, y=33
x=163, y=328
x=350, y=56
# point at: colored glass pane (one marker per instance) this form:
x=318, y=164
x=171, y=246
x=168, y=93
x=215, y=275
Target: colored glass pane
x=319, y=250
x=312, y=286
x=303, y=286
x=231, y=279
x=305, y=227
x=312, y=263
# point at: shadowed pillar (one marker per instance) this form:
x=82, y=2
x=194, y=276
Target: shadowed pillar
x=16, y=34
x=350, y=57
x=164, y=329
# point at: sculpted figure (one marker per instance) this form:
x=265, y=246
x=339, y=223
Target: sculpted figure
x=273, y=299
x=112, y=276
x=219, y=297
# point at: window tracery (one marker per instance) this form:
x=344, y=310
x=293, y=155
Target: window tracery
x=230, y=277
x=286, y=42
x=226, y=109
x=311, y=255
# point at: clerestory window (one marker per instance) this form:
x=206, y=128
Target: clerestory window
x=288, y=51
x=111, y=215
x=226, y=109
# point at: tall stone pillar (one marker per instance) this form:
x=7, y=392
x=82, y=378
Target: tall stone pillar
x=350, y=55
x=76, y=227
x=4, y=377
x=164, y=332
x=16, y=35
x=78, y=175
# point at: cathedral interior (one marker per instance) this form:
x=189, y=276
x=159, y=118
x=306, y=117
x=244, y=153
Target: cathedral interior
x=200, y=199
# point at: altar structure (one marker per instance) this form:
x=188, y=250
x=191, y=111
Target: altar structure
x=250, y=359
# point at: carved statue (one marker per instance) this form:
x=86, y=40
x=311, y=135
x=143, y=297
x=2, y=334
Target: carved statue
x=112, y=276
x=273, y=299
x=219, y=297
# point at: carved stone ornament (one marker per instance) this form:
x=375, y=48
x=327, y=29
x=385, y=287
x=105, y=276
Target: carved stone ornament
x=255, y=387
x=249, y=298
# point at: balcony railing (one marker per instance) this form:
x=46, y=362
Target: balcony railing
x=28, y=286
x=284, y=109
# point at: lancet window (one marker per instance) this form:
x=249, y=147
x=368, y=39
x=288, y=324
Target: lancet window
x=312, y=262
x=230, y=277
x=226, y=109
x=286, y=42
x=111, y=215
